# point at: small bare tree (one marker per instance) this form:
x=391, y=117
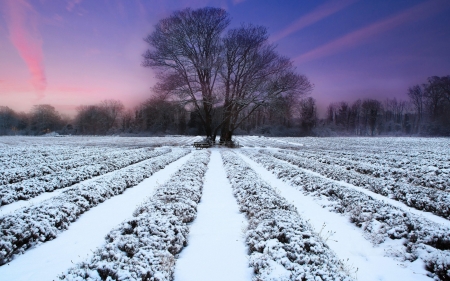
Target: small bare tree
x=417, y=97
x=44, y=119
x=308, y=114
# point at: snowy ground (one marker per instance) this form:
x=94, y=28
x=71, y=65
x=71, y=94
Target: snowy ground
x=218, y=239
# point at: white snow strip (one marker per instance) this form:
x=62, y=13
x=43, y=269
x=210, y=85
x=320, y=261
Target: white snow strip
x=216, y=249
x=365, y=262
x=76, y=244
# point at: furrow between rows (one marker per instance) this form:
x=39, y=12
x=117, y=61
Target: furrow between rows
x=144, y=247
x=283, y=246
x=37, y=224
x=423, y=238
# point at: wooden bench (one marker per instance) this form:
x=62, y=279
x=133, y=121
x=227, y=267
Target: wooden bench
x=201, y=145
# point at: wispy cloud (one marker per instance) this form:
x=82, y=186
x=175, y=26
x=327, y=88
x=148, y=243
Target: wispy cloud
x=71, y=4
x=368, y=33
x=22, y=21
x=314, y=16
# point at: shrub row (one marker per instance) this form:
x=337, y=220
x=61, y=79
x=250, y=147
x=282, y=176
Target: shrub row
x=377, y=219
x=283, y=246
x=33, y=187
x=22, y=156
x=88, y=157
x=144, y=247
x=430, y=200
x=432, y=175
x=29, y=226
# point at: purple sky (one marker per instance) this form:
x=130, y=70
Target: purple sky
x=73, y=52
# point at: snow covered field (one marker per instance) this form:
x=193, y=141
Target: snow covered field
x=116, y=208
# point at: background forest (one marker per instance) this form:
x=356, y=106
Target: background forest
x=426, y=112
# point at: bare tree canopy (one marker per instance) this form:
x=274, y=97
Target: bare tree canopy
x=230, y=75
x=187, y=52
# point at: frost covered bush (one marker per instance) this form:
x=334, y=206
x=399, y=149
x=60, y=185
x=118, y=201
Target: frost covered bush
x=33, y=187
x=29, y=226
x=23, y=167
x=283, y=246
x=410, y=169
x=421, y=198
x=144, y=247
x=377, y=219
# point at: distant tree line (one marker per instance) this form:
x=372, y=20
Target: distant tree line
x=427, y=113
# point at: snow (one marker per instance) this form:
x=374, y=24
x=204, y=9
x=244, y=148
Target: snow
x=5, y=209
x=216, y=248
x=46, y=261
x=307, y=209
x=346, y=240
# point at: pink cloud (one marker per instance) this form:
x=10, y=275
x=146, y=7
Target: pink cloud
x=368, y=33
x=22, y=21
x=316, y=15
x=78, y=90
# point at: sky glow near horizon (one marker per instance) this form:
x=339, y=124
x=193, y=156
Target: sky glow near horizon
x=76, y=52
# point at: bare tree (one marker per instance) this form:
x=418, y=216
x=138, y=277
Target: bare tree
x=371, y=109
x=254, y=74
x=308, y=114
x=186, y=49
x=45, y=119
x=8, y=120
x=160, y=115
x=417, y=97
x=231, y=76
x=112, y=111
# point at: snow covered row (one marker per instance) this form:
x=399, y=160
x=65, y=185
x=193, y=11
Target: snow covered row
x=92, y=156
x=283, y=246
x=19, y=156
x=422, y=238
x=36, y=224
x=31, y=188
x=420, y=198
x=145, y=246
x=432, y=175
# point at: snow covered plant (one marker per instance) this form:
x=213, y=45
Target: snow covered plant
x=421, y=198
x=379, y=220
x=29, y=226
x=38, y=163
x=410, y=169
x=144, y=247
x=33, y=187
x=283, y=246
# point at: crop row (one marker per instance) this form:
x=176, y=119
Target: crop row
x=420, y=198
x=378, y=220
x=29, y=226
x=429, y=176
x=279, y=240
x=8, y=176
x=144, y=247
x=33, y=187
x=22, y=157
x=382, y=148
x=392, y=158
